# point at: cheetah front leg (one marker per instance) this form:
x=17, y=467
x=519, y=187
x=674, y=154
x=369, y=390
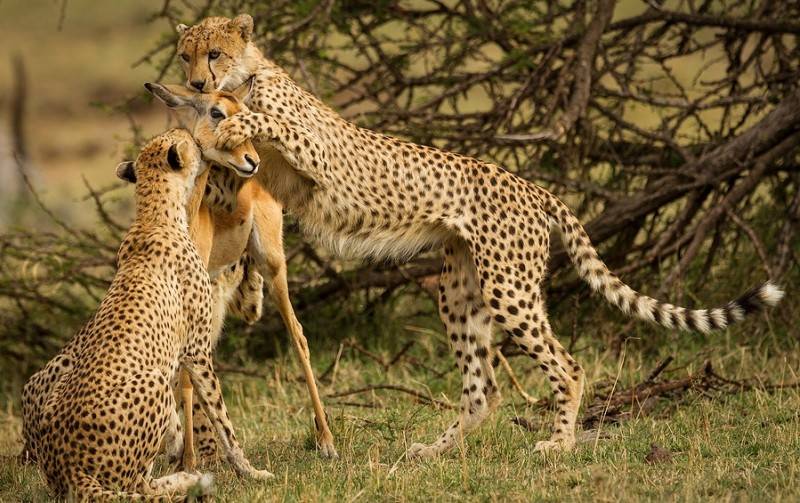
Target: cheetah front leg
x=241, y=289
x=209, y=393
x=300, y=146
x=468, y=324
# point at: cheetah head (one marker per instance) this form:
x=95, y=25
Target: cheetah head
x=201, y=113
x=171, y=157
x=215, y=52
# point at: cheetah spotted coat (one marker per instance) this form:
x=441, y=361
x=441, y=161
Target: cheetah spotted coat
x=97, y=415
x=366, y=194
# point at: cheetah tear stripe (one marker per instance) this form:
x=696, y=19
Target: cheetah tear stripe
x=595, y=272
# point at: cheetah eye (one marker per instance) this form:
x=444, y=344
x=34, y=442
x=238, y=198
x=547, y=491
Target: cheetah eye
x=216, y=114
x=185, y=57
x=213, y=54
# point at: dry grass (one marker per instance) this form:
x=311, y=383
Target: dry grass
x=724, y=447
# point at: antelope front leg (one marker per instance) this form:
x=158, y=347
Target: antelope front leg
x=280, y=294
x=266, y=248
x=189, y=460
x=209, y=394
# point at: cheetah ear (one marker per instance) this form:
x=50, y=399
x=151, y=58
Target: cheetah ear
x=126, y=172
x=179, y=154
x=243, y=92
x=174, y=158
x=181, y=28
x=243, y=24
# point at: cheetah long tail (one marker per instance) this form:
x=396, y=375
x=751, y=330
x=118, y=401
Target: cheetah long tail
x=595, y=272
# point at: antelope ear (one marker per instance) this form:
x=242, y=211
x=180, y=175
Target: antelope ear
x=171, y=95
x=242, y=24
x=243, y=92
x=126, y=172
x=181, y=28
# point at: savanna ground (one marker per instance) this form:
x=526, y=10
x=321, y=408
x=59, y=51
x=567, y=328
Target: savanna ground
x=716, y=443
x=722, y=445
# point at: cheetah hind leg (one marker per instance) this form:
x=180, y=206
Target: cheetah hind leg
x=468, y=323
x=565, y=375
x=530, y=330
x=35, y=394
x=142, y=441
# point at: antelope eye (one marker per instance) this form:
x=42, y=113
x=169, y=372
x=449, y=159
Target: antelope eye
x=213, y=54
x=216, y=114
x=185, y=57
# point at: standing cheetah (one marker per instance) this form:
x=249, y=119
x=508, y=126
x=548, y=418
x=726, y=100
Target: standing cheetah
x=370, y=195
x=97, y=415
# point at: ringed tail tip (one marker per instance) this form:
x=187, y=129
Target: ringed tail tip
x=771, y=294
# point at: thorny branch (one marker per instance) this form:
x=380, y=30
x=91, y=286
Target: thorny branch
x=613, y=405
x=679, y=149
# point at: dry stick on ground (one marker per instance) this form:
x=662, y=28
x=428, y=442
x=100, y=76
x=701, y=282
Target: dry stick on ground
x=642, y=397
x=513, y=378
x=400, y=354
x=393, y=387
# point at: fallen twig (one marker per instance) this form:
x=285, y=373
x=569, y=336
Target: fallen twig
x=615, y=405
x=513, y=378
x=400, y=354
x=393, y=387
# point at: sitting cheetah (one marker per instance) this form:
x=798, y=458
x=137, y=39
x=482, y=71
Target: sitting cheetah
x=370, y=195
x=97, y=415
x=236, y=283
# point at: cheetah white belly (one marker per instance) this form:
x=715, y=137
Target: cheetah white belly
x=361, y=236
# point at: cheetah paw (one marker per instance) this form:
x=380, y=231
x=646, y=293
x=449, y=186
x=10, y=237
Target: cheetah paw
x=559, y=445
x=421, y=451
x=231, y=133
x=261, y=475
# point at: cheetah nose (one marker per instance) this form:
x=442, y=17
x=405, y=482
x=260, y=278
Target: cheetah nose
x=252, y=162
x=199, y=84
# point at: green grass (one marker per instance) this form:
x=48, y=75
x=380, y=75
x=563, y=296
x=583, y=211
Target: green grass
x=725, y=446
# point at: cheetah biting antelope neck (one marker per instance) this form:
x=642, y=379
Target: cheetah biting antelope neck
x=248, y=222
x=366, y=194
